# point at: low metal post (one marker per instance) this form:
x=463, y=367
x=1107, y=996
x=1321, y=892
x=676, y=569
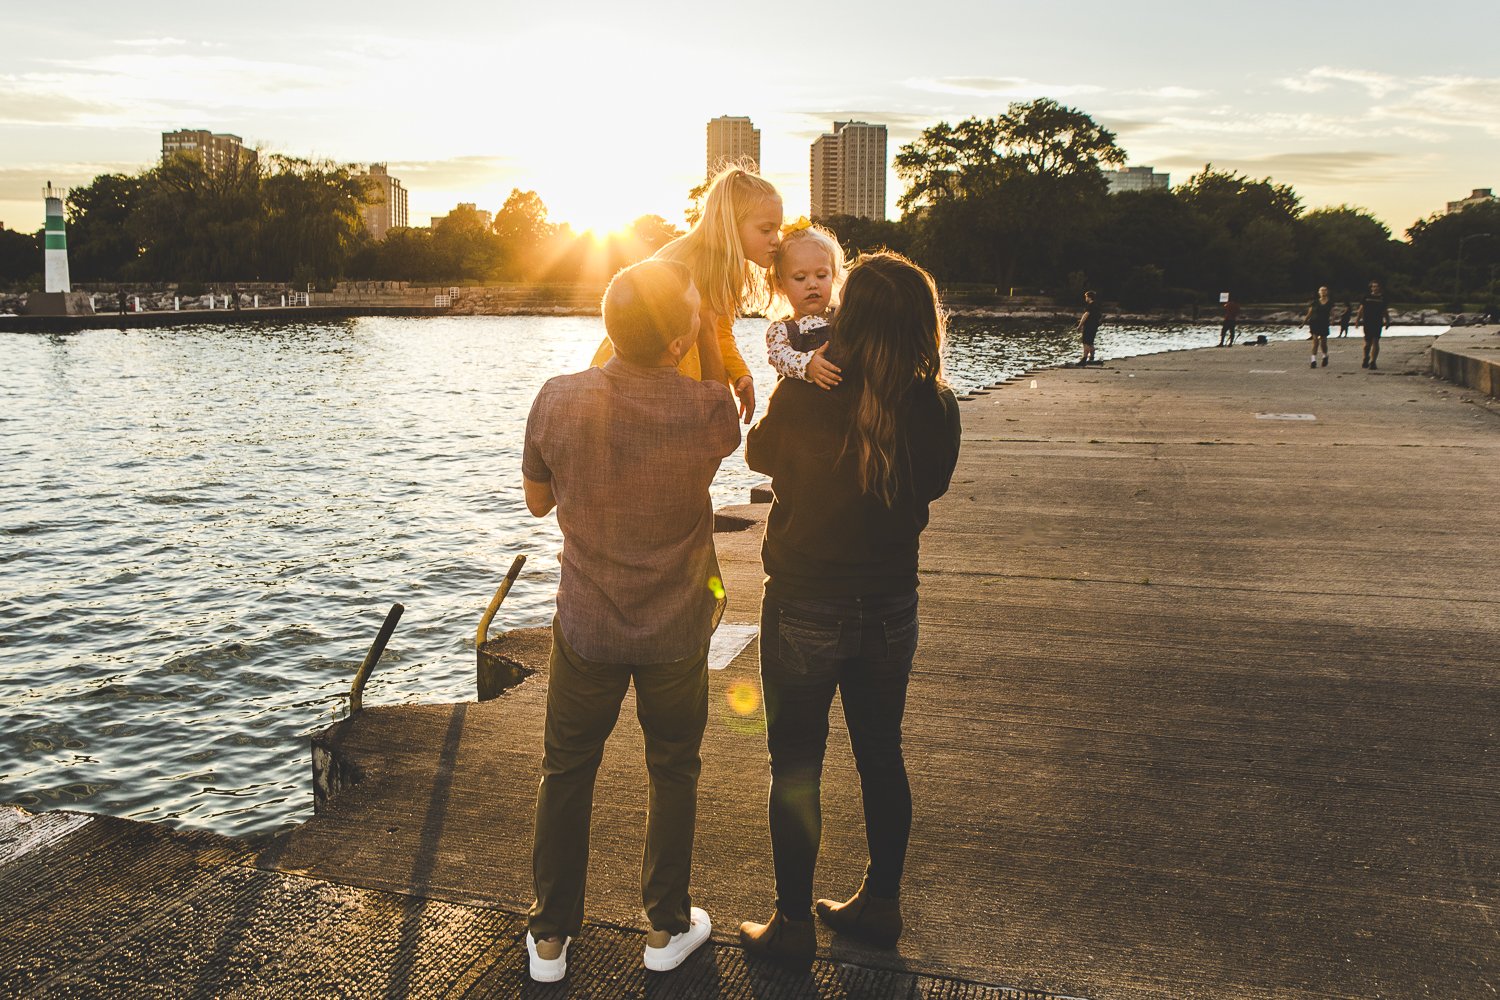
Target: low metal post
x=357, y=689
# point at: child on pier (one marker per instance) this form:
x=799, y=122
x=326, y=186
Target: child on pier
x=807, y=276
x=728, y=251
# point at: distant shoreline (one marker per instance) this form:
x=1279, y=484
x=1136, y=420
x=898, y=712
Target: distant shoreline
x=1275, y=315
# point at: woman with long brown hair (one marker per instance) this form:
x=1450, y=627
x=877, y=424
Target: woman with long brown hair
x=853, y=471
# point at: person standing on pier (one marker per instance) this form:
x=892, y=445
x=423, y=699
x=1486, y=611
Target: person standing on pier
x=853, y=470
x=626, y=453
x=1088, y=326
x=1344, y=318
x=1374, y=316
x=1231, y=314
x=1319, y=319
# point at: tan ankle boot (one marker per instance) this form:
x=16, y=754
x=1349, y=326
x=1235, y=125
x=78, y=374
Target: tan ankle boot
x=873, y=919
x=792, y=943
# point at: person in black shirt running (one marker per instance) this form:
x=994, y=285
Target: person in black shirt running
x=1374, y=316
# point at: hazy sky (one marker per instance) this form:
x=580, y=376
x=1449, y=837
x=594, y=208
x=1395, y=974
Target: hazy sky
x=601, y=107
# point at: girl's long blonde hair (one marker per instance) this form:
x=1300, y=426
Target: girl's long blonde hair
x=711, y=249
x=806, y=232
x=889, y=333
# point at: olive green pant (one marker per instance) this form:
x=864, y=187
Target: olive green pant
x=583, y=704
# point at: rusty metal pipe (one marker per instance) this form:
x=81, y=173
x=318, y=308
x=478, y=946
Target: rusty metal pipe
x=357, y=689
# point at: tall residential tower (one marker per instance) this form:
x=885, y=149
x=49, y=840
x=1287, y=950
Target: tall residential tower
x=848, y=171
x=218, y=151
x=732, y=140
x=386, y=209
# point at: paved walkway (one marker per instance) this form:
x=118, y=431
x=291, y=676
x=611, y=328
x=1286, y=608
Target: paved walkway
x=1204, y=707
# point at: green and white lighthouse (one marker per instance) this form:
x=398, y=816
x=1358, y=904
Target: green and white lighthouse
x=57, y=279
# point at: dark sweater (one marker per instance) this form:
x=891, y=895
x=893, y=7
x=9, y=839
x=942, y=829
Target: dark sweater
x=824, y=538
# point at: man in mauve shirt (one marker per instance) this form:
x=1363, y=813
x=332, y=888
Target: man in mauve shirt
x=625, y=454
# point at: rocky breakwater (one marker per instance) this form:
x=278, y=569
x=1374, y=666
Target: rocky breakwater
x=171, y=297
x=467, y=300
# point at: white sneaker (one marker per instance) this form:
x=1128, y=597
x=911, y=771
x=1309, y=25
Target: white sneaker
x=547, y=970
x=672, y=954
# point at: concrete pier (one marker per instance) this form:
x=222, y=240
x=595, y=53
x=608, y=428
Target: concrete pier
x=1205, y=706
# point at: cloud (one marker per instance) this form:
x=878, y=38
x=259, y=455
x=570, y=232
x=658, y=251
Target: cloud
x=1303, y=85
x=24, y=183
x=1463, y=101
x=1170, y=93
x=1322, y=78
x=1016, y=88
x=140, y=89
x=25, y=103
x=1276, y=126
x=454, y=173
x=1323, y=167
x=154, y=43
x=1460, y=101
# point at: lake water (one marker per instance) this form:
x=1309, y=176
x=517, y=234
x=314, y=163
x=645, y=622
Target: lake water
x=202, y=528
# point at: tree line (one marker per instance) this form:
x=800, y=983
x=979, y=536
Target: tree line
x=1016, y=201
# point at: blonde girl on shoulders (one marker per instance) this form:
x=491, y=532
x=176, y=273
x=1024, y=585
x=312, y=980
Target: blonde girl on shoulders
x=728, y=252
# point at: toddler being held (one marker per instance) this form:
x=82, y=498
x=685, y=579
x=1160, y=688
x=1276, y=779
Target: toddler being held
x=806, y=279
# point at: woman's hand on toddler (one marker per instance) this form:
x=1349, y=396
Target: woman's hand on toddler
x=821, y=371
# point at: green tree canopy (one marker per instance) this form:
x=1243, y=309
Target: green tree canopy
x=1459, y=251
x=101, y=246
x=1001, y=199
x=311, y=219
x=1343, y=248
x=197, y=224
x=521, y=228
x=20, y=258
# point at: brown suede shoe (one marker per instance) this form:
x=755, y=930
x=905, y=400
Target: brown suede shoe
x=872, y=919
x=793, y=943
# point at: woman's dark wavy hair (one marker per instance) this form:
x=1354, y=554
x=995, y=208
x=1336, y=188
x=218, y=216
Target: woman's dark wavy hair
x=889, y=338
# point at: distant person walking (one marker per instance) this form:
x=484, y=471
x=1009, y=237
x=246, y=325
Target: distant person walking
x=1344, y=318
x=1374, y=316
x=1231, y=314
x=1088, y=326
x=1319, y=318
x=120, y=300
x=625, y=454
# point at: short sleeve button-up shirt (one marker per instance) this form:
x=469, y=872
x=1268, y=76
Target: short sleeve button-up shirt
x=630, y=452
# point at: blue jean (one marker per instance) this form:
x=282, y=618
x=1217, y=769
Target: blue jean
x=861, y=647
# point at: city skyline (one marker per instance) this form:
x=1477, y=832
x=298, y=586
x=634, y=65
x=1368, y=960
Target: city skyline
x=602, y=113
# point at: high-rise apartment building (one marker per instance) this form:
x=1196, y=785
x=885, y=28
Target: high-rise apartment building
x=848, y=171
x=732, y=140
x=1136, y=179
x=216, y=150
x=386, y=209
